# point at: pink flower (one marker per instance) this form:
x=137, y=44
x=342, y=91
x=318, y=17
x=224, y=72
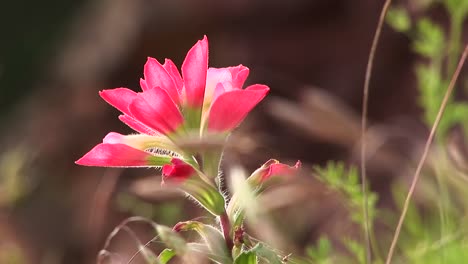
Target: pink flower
x=271, y=169
x=177, y=171
x=213, y=96
x=172, y=104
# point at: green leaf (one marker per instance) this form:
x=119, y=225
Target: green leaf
x=432, y=89
x=208, y=196
x=346, y=181
x=458, y=8
x=430, y=41
x=246, y=257
x=266, y=253
x=398, y=19
x=213, y=238
x=166, y=255
x=357, y=249
x=321, y=252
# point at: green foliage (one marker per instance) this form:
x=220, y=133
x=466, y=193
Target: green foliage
x=435, y=229
x=398, y=18
x=346, y=181
x=321, y=253
x=458, y=9
x=259, y=252
x=246, y=257
x=436, y=234
x=216, y=247
x=429, y=40
x=266, y=254
x=358, y=250
x=166, y=255
x=13, y=183
x=441, y=52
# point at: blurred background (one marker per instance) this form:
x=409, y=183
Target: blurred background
x=56, y=55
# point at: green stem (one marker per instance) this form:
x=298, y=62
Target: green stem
x=374, y=245
x=456, y=23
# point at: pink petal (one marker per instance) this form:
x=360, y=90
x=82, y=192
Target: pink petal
x=239, y=75
x=157, y=76
x=217, y=75
x=115, y=155
x=220, y=89
x=178, y=170
x=114, y=138
x=119, y=98
x=155, y=109
x=214, y=77
x=280, y=169
x=174, y=73
x=143, y=84
x=235, y=76
x=136, y=125
x=230, y=108
x=194, y=71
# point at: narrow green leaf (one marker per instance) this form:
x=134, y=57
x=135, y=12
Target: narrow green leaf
x=246, y=257
x=266, y=253
x=166, y=255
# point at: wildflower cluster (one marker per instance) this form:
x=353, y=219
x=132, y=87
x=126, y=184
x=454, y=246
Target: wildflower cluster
x=173, y=115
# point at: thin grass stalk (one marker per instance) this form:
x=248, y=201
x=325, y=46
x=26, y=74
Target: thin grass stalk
x=365, y=100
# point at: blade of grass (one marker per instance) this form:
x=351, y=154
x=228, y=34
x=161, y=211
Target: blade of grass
x=417, y=173
x=365, y=100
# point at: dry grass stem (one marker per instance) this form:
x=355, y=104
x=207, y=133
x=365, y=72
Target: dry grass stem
x=365, y=99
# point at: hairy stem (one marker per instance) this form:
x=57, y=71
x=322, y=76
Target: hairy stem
x=365, y=100
x=417, y=174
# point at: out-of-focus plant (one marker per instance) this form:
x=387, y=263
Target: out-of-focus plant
x=437, y=235
x=11, y=253
x=13, y=183
x=346, y=182
x=430, y=234
x=440, y=51
x=14, y=187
